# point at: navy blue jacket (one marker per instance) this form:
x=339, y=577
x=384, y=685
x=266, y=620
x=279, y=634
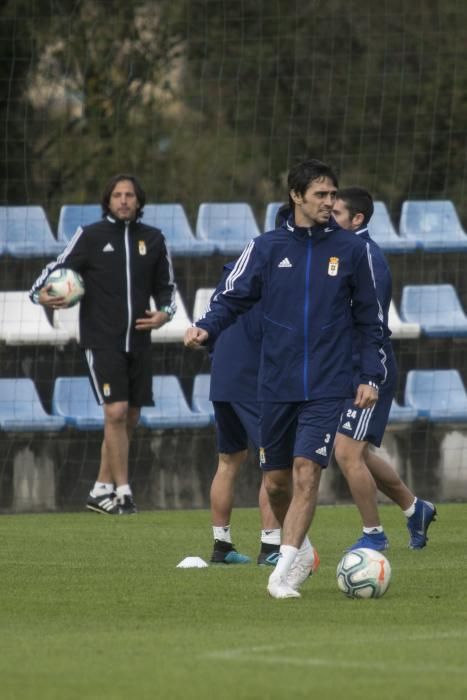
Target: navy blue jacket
x=316, y=286
x=383, y=281
x=236, y=355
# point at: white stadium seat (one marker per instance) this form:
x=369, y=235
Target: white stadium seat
x=25, y=323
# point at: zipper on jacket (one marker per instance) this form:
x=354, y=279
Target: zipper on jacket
x=128, y=285
x=306, y=307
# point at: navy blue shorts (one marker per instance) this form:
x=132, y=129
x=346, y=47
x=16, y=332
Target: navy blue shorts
x=237, y=424
x=368, y=424
x=300, y=429
x=121, y=376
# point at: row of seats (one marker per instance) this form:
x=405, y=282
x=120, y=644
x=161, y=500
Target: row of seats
x=74, y=405
x=432, y=310
x=438, y=396
x=225, y=228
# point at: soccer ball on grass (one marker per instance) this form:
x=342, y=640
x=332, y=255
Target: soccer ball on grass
x=363, y=573
x=66, y=283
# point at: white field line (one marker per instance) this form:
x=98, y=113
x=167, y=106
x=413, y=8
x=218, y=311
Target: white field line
x=273, y=654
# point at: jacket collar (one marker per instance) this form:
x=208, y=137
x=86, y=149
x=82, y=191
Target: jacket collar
x=317, y=233
x=117, y=222
x=363, y=233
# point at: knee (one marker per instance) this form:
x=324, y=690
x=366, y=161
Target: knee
x=231, y=462
x=116, y=414
x=277, y=486
x=342, y=457
x=307, y=474
x=348, y=457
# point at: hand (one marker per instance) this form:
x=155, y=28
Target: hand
x=195, y=337
x=366, y=396
x=153, y=319
x=50, y=301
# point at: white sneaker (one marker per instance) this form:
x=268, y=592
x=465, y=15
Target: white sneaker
x=305, y=564
x=278, y=588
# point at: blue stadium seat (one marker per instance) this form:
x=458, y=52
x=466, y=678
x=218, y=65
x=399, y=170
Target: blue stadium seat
x=171, y=409
x=434, y=225
x=402, y=414
x=436, y=307
x=21, y=409
x=174, y=224
x=25, y=233
x=74, y=215
x=200, y=396
x=270, y=217
x=382, y=231
x=74, y=400
x=438, y=395
x=170, y=218
x=229, y=226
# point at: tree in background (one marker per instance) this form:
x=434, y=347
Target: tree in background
x=213, y=99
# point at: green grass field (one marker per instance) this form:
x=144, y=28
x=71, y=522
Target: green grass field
x=94, y=607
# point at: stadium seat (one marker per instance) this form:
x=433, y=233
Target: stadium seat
x=200, y=396
x=402, y=414
x=438, y=395
x=401, y=329
x=382, y=231
x=436, y=307
x=202, y=297
x=173, y=222
x=174, y=331
x=25, y=233
x=21, y=409
x=68, y=320
x=171, y=409
x=270, y=217
x=74, y=215
x=25, y=323
x=73, y=399
x=228, y=226
x=433, y=225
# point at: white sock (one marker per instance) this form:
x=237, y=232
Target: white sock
x=373, y=530
x=271, y=536
x=123, y=490
x=410, y=511
x=100, y=488
x=222, y=533
x=286, y=559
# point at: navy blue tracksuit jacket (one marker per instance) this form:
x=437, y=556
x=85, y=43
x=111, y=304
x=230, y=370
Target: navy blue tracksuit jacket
x=235, y=358
x=316, y=287
x=383, y=282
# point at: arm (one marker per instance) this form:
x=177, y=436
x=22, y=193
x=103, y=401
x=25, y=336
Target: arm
x=163, y=292
x=368, y=319
x=74, y=257
x=241, y=289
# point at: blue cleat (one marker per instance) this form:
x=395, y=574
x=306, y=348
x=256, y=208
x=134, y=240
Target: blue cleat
x=419, y=522
x=225, y=553
x=374, y=540
x=268, y=555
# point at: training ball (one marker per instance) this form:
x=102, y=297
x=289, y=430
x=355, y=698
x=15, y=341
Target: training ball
x=66, y=283
x=363, y=573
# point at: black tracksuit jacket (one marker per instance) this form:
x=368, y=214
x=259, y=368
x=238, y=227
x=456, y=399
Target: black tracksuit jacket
x=123, y=264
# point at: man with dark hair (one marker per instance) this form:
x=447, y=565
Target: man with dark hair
x=360, y=427
x=123, y=263
x=316, y=287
